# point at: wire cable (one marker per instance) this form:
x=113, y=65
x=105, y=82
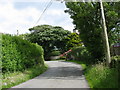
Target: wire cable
x=49, y=4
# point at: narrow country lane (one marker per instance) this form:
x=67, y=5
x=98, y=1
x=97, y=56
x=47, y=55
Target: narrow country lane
x=60, y=74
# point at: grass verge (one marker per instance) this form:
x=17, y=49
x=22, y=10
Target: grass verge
x=83, y=64
x=100, y=76
x=11, y=79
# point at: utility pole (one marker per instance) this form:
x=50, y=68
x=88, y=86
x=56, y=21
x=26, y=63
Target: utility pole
x=105, y=36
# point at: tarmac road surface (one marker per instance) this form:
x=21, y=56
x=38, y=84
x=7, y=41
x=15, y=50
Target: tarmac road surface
x=60, y=74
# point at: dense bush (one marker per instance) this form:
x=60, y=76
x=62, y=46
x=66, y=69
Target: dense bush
x=55, y=53
x=19, y=54
x=115, y=61
x=79, y=53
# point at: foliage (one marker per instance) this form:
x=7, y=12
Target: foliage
x=19, y=54
x=55, y=53
x=112, y=12
x=48, y=37
x=62, y=58
x=79, y=53
x=72, y=40
x=87, y=19
x=99, y=76
x=116, y=58
x=12, y=79
x=24, y=36
x=115, y=61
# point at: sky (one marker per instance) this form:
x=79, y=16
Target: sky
x=23, y=14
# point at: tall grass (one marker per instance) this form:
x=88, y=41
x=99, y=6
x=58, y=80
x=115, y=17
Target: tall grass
x=11, y=79
x=99, y=75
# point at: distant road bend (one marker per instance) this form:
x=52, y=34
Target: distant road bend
x=60, y=74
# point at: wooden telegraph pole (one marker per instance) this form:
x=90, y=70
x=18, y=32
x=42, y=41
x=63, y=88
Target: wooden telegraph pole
x=105, y=36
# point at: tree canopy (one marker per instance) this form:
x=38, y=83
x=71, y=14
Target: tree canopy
x=87, y=19
x=48, y=37
x=72, y=40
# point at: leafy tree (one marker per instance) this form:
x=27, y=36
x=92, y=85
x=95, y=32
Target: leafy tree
x=72, y=40
x=87, y=19
x=48, y=37
x=112, y=13
x=23, y=36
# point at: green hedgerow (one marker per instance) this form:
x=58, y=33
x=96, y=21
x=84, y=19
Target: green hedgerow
x=19, y=54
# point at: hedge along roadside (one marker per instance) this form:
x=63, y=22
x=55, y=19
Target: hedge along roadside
x=79, y=53
x=19, y=54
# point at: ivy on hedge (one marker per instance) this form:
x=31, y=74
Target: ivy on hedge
x=19, y=54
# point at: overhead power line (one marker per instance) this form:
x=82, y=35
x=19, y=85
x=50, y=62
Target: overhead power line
x=49, y=4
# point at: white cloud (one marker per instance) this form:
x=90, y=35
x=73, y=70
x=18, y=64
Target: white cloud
x=57, y=17
x=12, y=19
x=55, y=12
